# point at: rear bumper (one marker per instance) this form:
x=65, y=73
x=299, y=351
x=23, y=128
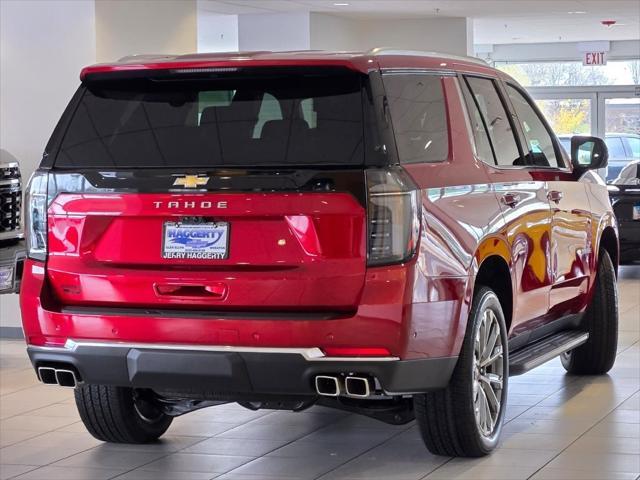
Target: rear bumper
x=234, y=371
x=387, y=317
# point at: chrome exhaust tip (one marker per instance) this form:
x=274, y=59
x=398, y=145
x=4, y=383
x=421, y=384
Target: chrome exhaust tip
x=328, y=386
x=66, y=378
x=47, y=375
x=359, y=387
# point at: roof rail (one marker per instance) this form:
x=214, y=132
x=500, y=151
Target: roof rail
x=145, y=57
x=378, y=51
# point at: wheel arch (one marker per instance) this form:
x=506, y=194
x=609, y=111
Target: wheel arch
x=494, y=272
x=607, y=240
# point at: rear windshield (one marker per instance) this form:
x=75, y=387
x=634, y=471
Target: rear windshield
x=231, y=121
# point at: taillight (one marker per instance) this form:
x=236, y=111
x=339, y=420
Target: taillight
x=393, y=210
x=36, y=202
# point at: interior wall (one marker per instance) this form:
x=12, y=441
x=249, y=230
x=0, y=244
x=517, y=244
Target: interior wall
x=329, y=32
x=276, y=32
x=445, y=34
x=217, y=33
x=43, y=46
x=144, y=26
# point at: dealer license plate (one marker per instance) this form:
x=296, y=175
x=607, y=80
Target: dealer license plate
x=207, y=241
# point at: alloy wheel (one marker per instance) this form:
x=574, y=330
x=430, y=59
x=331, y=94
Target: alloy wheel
x=488, y=373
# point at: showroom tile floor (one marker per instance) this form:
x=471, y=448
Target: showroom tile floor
x=559, y=427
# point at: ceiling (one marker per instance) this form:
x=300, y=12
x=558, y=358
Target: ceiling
x=495, y=21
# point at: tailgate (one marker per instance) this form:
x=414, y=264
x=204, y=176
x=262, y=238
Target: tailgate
x=284, y=251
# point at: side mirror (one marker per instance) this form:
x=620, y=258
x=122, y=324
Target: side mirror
x=588, y=153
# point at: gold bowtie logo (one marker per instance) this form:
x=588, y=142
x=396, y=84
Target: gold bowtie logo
x=191, y=181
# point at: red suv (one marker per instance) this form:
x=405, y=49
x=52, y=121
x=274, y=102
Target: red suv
x=389, y=233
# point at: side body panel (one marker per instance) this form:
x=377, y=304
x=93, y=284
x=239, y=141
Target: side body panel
x=526, y=230
x=571, y=258
x=525, y=225
x=571, y=245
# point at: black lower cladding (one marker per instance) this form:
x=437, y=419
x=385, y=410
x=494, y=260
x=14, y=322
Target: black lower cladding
x=239, y=375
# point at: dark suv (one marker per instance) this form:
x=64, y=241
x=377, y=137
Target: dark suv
x=12, y=250
x=389, y=233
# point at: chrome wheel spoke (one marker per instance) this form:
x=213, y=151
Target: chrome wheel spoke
x=491, y=396
x=482, y=410
x=489, y=418
x=497, y=354
x=483, y=333
x=492, y=378
x=491, y=341
x=477, y=349
x=485, y=413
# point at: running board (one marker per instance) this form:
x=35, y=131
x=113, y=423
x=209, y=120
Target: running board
x=534, y=355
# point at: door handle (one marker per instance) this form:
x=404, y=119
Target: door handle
x=555, y=196
x=511, y=199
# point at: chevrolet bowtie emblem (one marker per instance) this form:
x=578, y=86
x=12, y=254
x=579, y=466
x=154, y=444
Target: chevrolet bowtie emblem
x=191, y=181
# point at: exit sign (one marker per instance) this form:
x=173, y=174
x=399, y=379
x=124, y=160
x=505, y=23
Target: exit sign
x=594, y=58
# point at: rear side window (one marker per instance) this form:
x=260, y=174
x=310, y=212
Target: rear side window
x=418, y=113
x=255, y=120
x=480, y=134
x=495, y=121
x=541, y=150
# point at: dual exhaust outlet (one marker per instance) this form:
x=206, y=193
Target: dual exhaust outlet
x=352, y=386
x=57, y=376
x=326, y=385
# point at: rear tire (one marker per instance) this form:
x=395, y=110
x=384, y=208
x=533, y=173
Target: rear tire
x=119, y=414
x=451, y=420
x=598, y=354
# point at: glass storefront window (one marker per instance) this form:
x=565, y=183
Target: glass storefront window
x=622, y=115
x=547, y=74
x=567, y=116
x=622, y=127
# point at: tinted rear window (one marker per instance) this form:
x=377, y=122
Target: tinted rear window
x=227, y=121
